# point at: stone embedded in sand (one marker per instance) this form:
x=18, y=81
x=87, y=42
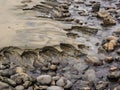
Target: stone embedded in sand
x=112, y=38
x=114, y=76
x=109, y=20
x=110, y=46
x=103, y=14
x=44, y=79
x=93, y=60
x=109, y=59
x=113, y=68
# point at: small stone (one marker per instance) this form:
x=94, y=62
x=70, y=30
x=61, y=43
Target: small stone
x=44, y=79
x=114, y=76
x=36, y=87
x=43, y=87
x=53, y=67
x=3, y=85
x=51, y=73
x=20, y=87
x=55, y=88
x=19, y=70
x=109, y=20
x=68, y=84
x=55, y=78
x=53, y=82
x=85, y=88
x=61, y=82
x=101, y=85
x=90, y=75
x=110, y=46
x=103, y=14
x=79, y=1
x=10, y=81
x=112, y=38
x=109, y=59
x=27, y=84
x=93, y=60
x=113, y=68
x=80, y=66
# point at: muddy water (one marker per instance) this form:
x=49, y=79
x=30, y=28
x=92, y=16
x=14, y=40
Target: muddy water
x=20, y=28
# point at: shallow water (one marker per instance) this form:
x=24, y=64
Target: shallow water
x=24, y=29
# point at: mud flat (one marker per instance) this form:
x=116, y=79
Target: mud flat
x=60, y=45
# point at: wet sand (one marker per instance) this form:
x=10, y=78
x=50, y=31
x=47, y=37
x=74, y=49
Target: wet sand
x=23, y=29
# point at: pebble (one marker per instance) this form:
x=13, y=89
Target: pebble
x=61, y=82
x=90, y=75
x=93, y=60
x=68, y=84
x=27, y=84
x=114, y=76
x=113, y=68
x=44, y=79
x=103, y=14
x=43, y=87
x=19, y=70
x=19, y=87
x=53, y=67
x=109, y=20
x=109, y=59
x=3, y=85
x=55, y=88
x=10, y=81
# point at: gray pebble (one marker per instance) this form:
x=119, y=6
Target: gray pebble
x=44, y=79
x=55, y=88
